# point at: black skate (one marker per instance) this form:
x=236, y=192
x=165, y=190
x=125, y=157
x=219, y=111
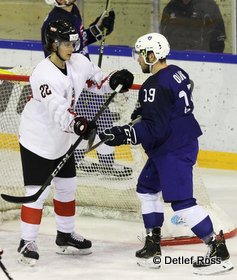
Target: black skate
x=116, y=170
x=65, y=240
x=108, y=167
x=150, y=255
x=87, y=167
x=28, y=252
x=216, y=259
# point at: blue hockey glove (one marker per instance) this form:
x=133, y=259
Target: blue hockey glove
x=119, y=135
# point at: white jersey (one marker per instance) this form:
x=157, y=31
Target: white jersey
x=45, y=122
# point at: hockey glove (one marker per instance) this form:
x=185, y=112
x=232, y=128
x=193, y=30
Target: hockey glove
x=121, y=77
x=83, y=127
x=119, y=135
x=136, y=113
x=104, y=21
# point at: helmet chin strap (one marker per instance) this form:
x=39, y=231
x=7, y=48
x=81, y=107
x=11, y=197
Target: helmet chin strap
x=56, y=51
x=150, y=64
x=59, y=56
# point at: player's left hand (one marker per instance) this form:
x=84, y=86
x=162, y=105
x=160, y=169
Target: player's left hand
x=107, y=22
x=119, y=135
x=121, y=77
x=104, y=21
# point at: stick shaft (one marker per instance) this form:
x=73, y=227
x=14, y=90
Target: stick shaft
x=5, y=270
x=102, y=43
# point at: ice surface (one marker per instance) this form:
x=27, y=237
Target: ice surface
x=114, y=245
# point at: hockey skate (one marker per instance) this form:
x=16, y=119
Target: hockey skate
x=150, y=255
x=116, y=170
x=86, y=166
x=108, y=167
x=28, y=252
x=66, y=240
x=216, y=260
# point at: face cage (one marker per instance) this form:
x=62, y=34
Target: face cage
x=143, y=53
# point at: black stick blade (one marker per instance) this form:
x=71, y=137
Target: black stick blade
x=20, y=199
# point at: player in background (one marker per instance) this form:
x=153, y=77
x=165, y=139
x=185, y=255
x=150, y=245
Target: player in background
x=67, y=10
x=168, y=132
x=48, y=124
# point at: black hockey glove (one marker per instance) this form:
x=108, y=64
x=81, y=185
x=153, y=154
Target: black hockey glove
x=121, y=77
x=83, y=127
x=104, y=21
x=137, y=112
x=119, y=135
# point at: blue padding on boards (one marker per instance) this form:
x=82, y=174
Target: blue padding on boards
x=114, y=50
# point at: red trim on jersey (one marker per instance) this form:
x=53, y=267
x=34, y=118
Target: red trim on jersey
x=90, y=83
x=72, y=112
x=31, y=215
x=103, y=81
x=65, y=209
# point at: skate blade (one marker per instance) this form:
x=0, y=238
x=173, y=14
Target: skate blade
x=86, y=173
x=224, y=266
x=120, y=175
x=148, y=263
x=64, y=250
x=27, y=261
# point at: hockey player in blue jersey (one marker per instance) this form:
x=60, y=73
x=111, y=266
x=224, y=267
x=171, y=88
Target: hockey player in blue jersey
x=168, y=132
x=67, y=10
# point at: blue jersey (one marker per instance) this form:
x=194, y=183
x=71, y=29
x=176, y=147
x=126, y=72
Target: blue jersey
x=86, y=38
x=166, y=108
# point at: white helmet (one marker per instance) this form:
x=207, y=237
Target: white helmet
x=155, y=42
x=55, y=3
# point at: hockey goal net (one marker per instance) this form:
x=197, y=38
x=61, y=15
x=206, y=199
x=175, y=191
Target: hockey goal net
x=107, y=177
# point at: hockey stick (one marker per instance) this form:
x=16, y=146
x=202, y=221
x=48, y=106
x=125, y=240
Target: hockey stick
x=109, y=137
x=34, y=197
x=4, y=268
x=102, y=43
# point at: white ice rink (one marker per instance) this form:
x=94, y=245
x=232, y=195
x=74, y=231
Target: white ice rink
x=115, y=243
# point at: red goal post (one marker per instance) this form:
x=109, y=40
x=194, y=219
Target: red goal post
x=100, y=192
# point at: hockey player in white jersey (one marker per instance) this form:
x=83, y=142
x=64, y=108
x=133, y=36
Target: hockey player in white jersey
x=48, y=123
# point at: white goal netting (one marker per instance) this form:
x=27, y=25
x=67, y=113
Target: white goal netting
x=107, y=176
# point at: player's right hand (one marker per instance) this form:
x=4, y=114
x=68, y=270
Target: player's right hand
x=80, y=125
x=83, y=127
